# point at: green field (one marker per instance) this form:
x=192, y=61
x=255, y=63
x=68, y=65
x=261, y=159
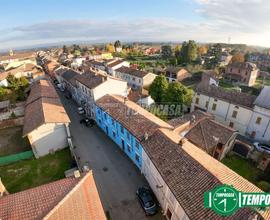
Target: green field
x=31, y=173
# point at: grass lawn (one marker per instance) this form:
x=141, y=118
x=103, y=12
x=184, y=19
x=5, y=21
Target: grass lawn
x=11, y=141
x=242, y=166
x=260, y=82
x=34, y=172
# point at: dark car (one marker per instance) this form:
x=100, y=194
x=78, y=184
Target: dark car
x=147, y=200
x=88, y=122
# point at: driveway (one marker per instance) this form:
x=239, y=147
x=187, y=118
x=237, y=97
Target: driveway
x=116, y=177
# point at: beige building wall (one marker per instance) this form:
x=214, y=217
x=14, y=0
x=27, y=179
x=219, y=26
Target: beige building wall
x=163, y=193
x=48, y=137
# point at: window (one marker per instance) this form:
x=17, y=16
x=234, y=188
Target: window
x=231, y=124
x=197, y=100
x=206, y=104
x=258, y=120
x=169, y=214
x=137, y=144
x=98, y=111
x=113, y=133
x=234, y=114
x=112, y=122
x=253, y=134
x=128, y=135
x=105, y=116
x=121, y=129
x=214, y=107
x=129, y=148
x=137, y=157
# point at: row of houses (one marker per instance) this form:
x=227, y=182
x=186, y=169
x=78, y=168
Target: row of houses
x=248, y=114
x=178, y=171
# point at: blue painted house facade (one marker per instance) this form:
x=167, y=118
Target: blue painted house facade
x=126, y=141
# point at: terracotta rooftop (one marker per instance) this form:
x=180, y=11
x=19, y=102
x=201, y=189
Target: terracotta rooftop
x=131, y=71
x=192, y=116
x=17, y=56
x=70, y=75
x=133, y=117
x=69, y=198
x=189, y=172
x=115, y=63
x=207, y=133
x=234, y=97
x=91, y=79
x=43, y=106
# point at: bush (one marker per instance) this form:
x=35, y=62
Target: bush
x=263, y=185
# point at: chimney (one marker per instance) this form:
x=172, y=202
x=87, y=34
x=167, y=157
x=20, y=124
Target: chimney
x=125, y=99
x=182, y=141
x=145, y=136
x=193, y=119
x=77, y=174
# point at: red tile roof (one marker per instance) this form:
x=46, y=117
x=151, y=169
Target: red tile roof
x=133, y=117
x=189, y=172
x=131, y=71
x=69, y=198
x=43, y=106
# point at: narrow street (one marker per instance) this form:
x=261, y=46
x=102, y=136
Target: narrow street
x=116, y=177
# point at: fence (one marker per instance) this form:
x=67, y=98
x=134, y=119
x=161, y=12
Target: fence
x=11, y=123
x=15, y=157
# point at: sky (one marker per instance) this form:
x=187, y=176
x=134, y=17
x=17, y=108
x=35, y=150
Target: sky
x=25, y=23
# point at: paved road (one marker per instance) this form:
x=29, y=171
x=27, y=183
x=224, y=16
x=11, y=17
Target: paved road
x=116, y=177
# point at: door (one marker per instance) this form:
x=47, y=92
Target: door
x=123, y=144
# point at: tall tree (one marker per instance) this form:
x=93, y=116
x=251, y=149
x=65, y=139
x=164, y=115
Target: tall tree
x=65, y=49
x=166, y=51
x=117, y=44
x=158, y=88
x=189, y=52
x=178, y=94
x=238, y=57
x=110, y=48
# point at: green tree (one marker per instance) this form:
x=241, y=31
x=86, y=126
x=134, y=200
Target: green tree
x=166, y=51
x=158, y=88
x=3, y=94
x=178, y=94
x=65, y=49
x=117, y=44
x=189, y=52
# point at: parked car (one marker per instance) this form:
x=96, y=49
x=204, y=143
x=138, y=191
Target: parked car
x=88, y=122
x=147, y=201
x=55, y=81
x=262, y=147
x=81, y=111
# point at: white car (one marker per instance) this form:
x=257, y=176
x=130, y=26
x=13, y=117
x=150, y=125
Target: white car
x=262, y=147
x=81, y=111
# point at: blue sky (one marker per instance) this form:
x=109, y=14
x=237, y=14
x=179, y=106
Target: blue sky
x=31, y=22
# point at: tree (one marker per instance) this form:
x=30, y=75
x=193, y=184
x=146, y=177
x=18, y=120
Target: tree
x=177, y=50
x=158, y=88
x=65, y=49
x=110, y=48
x=3, y=93
x=117, y=44
x=238, y=57
x=214, y=56
x=202, y=50
x=166, y=51
x=178, y=94
x=189, y=52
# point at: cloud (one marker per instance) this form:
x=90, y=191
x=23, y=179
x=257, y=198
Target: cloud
x=244, y=21
x=247, y=16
